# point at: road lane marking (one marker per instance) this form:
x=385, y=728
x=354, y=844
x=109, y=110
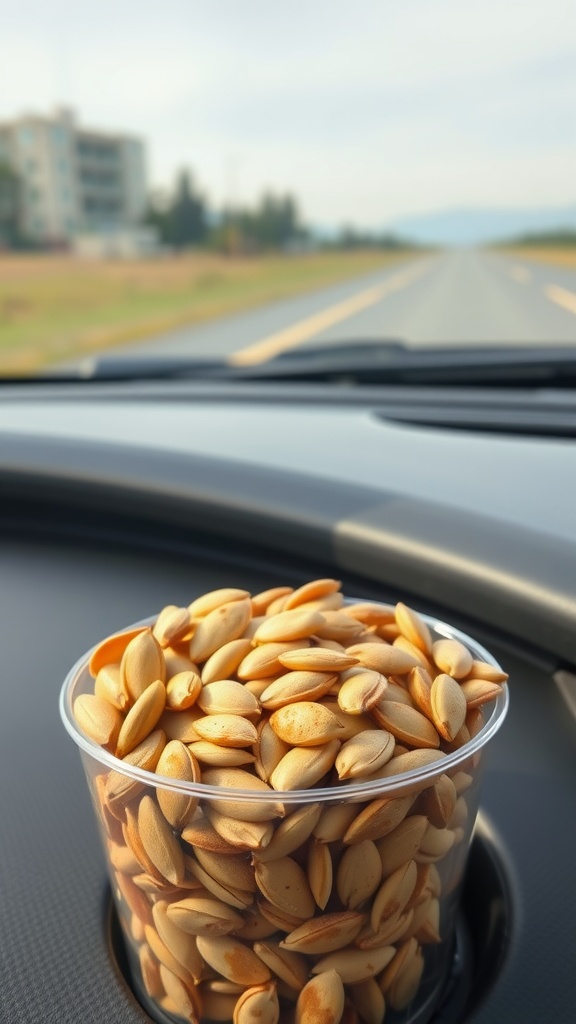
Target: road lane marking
x=520, y=274
x=291, y=337
x=561, y=296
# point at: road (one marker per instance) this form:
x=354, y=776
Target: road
x=454, y=297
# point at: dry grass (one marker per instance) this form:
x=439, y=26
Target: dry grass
x=58, y=307
x=558, y=256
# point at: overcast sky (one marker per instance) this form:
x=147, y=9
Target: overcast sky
x=367, y=111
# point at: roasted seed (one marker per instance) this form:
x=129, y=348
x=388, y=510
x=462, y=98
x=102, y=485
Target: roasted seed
x=176, y=762
x=290, y=967
x=226, y=660
x=283, y=883
x=364, y=753
x=159, y=841
x=354, y=965
x=303, y=767
x=243, y=810
x=225, y=623
x=227, y=697
x=359, y=874
x=296, y=686
x=378, y=818
x=232, y=959
x=305, y=724
x=98, y=719
x=405, y=723
x=320, y=872
x=142, y=718
x=201, y=916
x=291, y=625
x=291, y=833
x=258, y=1005
x=183, y=690
x=142, y=664
x=448, y=704
x=226, y=730
x=322, y=999
x=324, y=934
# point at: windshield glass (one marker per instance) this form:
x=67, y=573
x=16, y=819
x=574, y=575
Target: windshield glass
x=240, y=181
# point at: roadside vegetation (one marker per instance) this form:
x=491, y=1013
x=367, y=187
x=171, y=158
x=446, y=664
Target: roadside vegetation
x=555, y=247
x=54, y=307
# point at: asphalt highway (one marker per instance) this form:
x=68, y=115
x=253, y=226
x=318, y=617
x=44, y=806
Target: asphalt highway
x=453, y=297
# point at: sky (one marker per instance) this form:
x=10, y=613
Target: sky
x=366, y=111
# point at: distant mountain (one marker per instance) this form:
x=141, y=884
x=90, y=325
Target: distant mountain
x=476, y=226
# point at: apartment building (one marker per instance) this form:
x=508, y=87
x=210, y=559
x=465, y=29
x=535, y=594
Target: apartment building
x=73, y=180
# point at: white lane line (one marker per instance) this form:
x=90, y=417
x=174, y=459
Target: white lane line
x=561, y=296
x=291, y=337
x=520, y=274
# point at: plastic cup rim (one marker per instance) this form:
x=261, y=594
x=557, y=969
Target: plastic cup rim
x=349, y=791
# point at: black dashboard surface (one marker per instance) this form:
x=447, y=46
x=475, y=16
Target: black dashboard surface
x=65, y=582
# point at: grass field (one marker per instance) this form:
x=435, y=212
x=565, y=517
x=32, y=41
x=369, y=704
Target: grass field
x=558, y=256
x=54, y=308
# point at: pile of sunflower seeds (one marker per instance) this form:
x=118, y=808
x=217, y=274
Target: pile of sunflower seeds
x=263, y=907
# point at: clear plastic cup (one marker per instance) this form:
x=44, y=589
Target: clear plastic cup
x=231, y=901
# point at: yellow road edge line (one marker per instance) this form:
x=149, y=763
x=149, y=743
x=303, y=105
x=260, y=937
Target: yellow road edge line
x=561, y=296
x=291, y=337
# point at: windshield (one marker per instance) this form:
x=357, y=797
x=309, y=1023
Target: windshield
x=239, y=182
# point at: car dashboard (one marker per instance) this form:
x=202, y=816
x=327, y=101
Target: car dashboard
x=117, y=500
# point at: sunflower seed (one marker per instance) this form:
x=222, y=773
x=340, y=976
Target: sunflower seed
x=405, y=723
x=324, y=934
x=171, y=625
x=296, y=624
x=448, y=704
x=359, y=874
x=246, y=835
x=198, y=916
x=316, y=659
x=383, y=658
x=296, y=686
x=220, y=757
x=364, y=753
x=159, y=841
x=394, y=894
x=303, y=767
x=142, y=664
x=258, y=1005
x=233, y=960
x=260, y=602
x=225, y=623
x=319, y=870
x=110, y=650
x=98, y=719
x=226, y=730
x=284, y=884
x=321, y=999
x=226, y=660
x=402, y=844
x=360, y=691
x=378, y=818
x=214, y=599
x=227, y=697
x=142, y=718
x=413, y=628
x=176, y=762
x=291, y=833
x=234, y=871
x=181, y=945
x=369, y=1001
x=305, y=724
x=242, y=810
x=183, y=690
x=108, y=686
x=290, y=967
x=354, y=965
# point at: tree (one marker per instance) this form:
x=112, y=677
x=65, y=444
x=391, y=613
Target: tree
x=181, y=218
x=9, y=206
